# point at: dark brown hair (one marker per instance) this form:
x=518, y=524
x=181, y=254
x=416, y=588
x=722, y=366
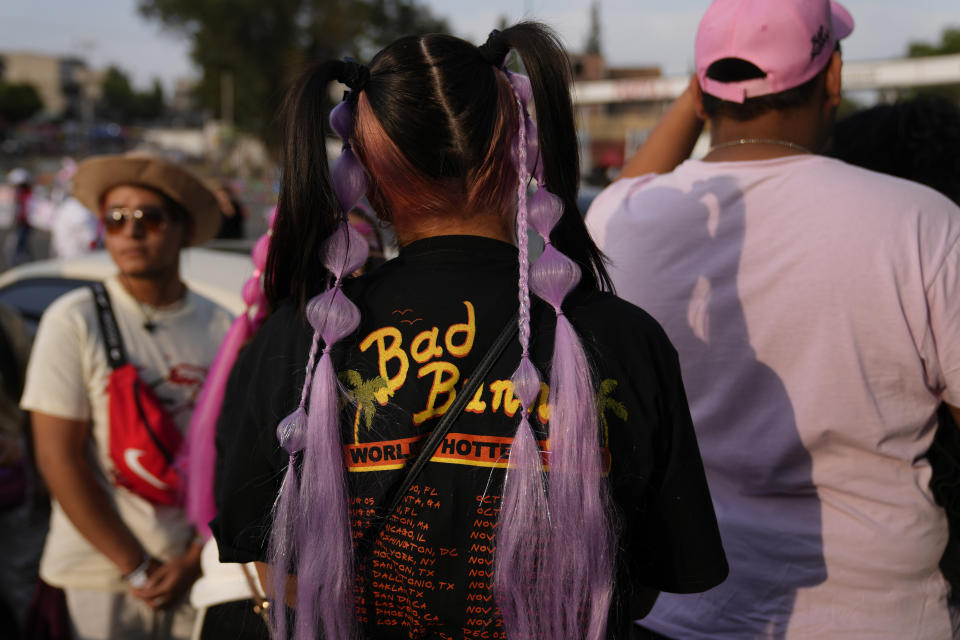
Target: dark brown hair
x=738, y=70
x=443, y=114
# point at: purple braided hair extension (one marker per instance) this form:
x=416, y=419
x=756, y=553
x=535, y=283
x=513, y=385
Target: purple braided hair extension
x=291, y=434
x=282, y=546
x=523, y=516
x=581, y=584
x=325, y=563
x=311, y=522
x=545, y=590
x=524, y=93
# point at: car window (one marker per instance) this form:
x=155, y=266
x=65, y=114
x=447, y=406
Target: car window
x=31, y=296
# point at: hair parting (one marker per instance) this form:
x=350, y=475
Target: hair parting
x=404, y=188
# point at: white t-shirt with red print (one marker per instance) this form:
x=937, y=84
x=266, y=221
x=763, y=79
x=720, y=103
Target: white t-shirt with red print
x=67, y=377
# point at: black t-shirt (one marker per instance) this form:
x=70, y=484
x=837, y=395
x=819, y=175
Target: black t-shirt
x=427, y=318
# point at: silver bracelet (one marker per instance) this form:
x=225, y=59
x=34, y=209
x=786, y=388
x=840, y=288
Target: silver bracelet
x=138, y=577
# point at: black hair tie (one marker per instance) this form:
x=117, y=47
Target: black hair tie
x=495, y=49
x=354, y=75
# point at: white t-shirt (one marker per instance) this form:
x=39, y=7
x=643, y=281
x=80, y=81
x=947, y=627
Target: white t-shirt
x=222, y=581
x=67, y=378
x=816, y=310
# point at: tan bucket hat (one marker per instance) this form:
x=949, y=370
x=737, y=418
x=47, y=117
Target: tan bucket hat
x=95, y=176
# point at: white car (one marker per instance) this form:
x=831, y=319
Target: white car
x=31, y=287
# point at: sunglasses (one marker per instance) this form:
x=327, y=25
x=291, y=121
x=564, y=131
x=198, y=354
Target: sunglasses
x=153, y=218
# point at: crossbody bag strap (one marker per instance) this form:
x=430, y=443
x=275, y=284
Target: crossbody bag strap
x=116, y=353
x=261, y=606
x=117, y=357
x=443, y=427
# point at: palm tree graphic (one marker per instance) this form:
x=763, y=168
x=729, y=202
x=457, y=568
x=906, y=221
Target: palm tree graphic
x=605, y=402
x=365, y=393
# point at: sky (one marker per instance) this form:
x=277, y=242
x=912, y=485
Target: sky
x=634, y=32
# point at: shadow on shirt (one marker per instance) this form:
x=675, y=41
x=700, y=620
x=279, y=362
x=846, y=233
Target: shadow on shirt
x=757, y=467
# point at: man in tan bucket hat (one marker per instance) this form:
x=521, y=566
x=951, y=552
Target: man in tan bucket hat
x=125, y=560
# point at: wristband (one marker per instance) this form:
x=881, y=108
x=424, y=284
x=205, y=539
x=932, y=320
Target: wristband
x=138, y=577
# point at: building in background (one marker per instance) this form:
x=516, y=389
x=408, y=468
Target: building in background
x=610, y=131
x=184, y=101
x=67, y=87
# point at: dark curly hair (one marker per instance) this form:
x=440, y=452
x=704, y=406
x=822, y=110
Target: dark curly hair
x=916, y=139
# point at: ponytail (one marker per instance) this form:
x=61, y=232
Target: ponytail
x=544, y=590
x=307, y=205
x=547, y=65
x=311, y=533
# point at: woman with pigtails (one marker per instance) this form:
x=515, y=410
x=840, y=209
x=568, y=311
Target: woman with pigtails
x=564, y=490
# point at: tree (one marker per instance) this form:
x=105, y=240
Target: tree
x=390, y=19
x=949, y=44
x=116, y=95
x=263, y=44
x=19, y=101
x=150, y=104
x=365, y=393
x=120, y=102
x=606, y=403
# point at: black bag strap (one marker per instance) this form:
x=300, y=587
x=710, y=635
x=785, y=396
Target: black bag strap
x=117, y=357
x=443, y=427
x=116, y=353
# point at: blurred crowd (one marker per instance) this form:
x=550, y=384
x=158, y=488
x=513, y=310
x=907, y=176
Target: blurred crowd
x=39, y=219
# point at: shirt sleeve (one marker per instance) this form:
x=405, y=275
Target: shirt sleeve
x=675, y=542
x=55, y=380
x=607, y=203
x=602, y=208
x=263, y=388
x=944, y=309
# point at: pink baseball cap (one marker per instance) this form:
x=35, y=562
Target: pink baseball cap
x=789, y=40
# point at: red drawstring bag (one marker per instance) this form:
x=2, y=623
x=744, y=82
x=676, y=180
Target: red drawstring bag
x=144, y=440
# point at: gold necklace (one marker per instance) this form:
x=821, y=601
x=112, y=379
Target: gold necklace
x=739, y=141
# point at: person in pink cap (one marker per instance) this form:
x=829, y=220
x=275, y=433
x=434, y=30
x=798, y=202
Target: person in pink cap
x=813, y=305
